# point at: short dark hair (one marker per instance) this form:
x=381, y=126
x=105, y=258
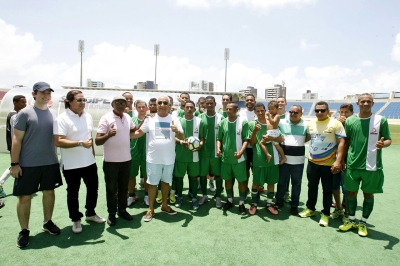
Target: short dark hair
x=281, y=97
x=171, y=100
x=273, y=103
x=126, y=93
x=70, y=97
x=180, y=95
x=348, y=106
x=249, y=94
x=209, y=97
x=16, y=98
x=365, y=94
x=234, y=103
x=140, y=101
x=228, y=94
x=201, y=98
x=298, y=106
x=259, y=104
x=190, y=101
x=323, y=103
x=152, y=100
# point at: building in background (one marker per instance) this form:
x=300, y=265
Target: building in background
x=193, y=86
x=203, y=85
x=210, y=86
x=275, y=92
x=249, y=90
x=309, y=95
x=94, y=84
x=147, y=85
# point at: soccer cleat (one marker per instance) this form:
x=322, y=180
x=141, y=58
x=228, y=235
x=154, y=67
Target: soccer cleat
x=178, y=202
x=146, y=200
x=203, y=200
x=95, y=218
x=287, y=197
x=324, y=221
x=307, y=213
x=336, y=213
x=51, y=228
x=172, y=198
x=77, y=227
x=218, y=202
x=111, y=220
x=130, y=201
x=212, y=187
x=279, y=205
x=227, y=205
x=159, y=198
x=23, y=238
x=348, y=225
x=242, y=209
x=2, y=193
x=253, y=209
x=362, y=229
x=195, y=204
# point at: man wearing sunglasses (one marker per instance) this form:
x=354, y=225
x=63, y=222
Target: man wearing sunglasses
x=295, y=133
x=113, y=132
x=162, y=129
x=324, y=160
x=73, y=134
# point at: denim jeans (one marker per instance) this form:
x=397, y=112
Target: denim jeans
x=287, y=172
x=116, y=176
x=73, y=179
x=315, y=173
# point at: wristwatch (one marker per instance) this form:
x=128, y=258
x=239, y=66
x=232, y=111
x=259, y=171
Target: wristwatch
x=80, y=143
x=14, y=164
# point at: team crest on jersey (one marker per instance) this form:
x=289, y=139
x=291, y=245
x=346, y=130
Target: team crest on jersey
x=373, y=131
x=196, y=130
x=238, y=132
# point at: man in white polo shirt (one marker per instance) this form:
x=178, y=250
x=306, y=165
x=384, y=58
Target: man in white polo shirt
x=160, y=158
x=73, y=134
x=114, y=133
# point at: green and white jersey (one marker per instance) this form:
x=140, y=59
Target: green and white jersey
x=209, y=133
x=197, y=112
x=232, y=135
x=179, y=113
x=223, y=113
x=363, y=133
x=138, y=146
x=190, y=128
x=259, y=157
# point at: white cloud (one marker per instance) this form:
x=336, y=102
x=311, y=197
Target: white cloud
x=396, y=49
x=308, y=46
x=255, y=4
x=367, y=63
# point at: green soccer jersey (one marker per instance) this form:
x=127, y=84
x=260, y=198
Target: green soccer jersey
x=223, y=113
x=362, y=134
x=197, y=112
x=259, y=157
x=209, y=133
x=180, y=113
x=190, y=128
x=232, y=135
x=138, y=146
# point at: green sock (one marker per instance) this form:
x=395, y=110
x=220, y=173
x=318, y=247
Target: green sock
x=179, y=186
x=352, y=205
x=242, y=195
x=203, y=184
x=368, y=206
x=229, y=193
x=194, y=184
x=218, y=183
x=254, y=194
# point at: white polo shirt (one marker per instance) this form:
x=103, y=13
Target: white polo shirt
x=75, y=128
x=116, y=148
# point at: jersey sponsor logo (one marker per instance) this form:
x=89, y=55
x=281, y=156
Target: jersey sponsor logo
x=373, y=131
x=238, y=131
x=328, y=130
x=196, y=130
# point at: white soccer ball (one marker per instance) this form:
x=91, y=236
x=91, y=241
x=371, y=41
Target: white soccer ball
x=193, y=143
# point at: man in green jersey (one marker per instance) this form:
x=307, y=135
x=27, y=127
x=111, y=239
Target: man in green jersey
x=210, y=163
x=201, y=106
x=182, y=100
x=232, y=141
x=138, y=153
x=263, y=171
x=367, y=134
x=129, y=102
x=187, y=161
x=226, y=98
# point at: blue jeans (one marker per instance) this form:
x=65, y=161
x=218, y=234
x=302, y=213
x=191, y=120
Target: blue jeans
x=287, y=172
x=315, y=173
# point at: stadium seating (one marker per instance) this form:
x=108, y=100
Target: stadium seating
x=391, y=111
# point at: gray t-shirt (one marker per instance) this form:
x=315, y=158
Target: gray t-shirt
x=37, y=146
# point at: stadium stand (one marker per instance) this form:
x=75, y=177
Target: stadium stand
x=391, y=111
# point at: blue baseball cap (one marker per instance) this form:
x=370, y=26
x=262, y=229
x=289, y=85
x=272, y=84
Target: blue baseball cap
x=41, y=86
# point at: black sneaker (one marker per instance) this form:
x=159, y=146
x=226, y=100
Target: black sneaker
x=242, y=209
x=294, y=211
x=23, y=238
x=227, y=205
x=279, y=205
x=125, y=215
x=111, y=220
x=51, y=228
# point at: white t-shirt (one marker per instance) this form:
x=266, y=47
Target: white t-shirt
x=116, y=148
x=76, y=128
x=249, y=116
x=160, y=139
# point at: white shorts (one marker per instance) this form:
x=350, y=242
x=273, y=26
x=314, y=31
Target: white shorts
x=273, y=133
x=159, y=172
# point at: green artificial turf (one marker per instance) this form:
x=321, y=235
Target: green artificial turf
x=207, y=236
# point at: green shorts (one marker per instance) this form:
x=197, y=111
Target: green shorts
x=135, y=166
x=269, y=175
x=210, y=165
x=192, y=169
x=372, y=181
x=238, y=171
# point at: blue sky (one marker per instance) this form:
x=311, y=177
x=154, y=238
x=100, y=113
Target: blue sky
x=334, y=48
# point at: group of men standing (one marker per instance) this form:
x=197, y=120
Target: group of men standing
x=230, y=146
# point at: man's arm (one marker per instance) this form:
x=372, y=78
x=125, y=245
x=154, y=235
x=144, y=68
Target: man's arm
x=18, y=136
x=62, y=142
x=267, y=138
x=219, y=153
x=337, y=165
x=240, y=153
x=136, y=134
x=308, y=137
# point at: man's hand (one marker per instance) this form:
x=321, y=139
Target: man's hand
x=112, y=132
x=336, y=167
x=87, y=143
x=219, y=153
x=238, y=154
x=257, y=127
x=16, y=171
x=380, y=143
x=185, y=143
x=341, y=119
x=173, y=127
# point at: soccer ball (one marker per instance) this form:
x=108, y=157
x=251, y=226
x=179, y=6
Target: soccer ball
x=193, y=143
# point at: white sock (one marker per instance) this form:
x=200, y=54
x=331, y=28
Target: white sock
x=230, y=200
x=172, y=192
x=364, y=220
x=241, y=202
x=352, y=217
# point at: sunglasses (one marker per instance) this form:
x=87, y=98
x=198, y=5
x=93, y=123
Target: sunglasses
x=81, y=100
x=293, y=112
x=163, y=102
x=320, y=111
x=120, y=103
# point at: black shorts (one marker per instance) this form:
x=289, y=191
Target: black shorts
x=38, y=178
x=249, y=161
